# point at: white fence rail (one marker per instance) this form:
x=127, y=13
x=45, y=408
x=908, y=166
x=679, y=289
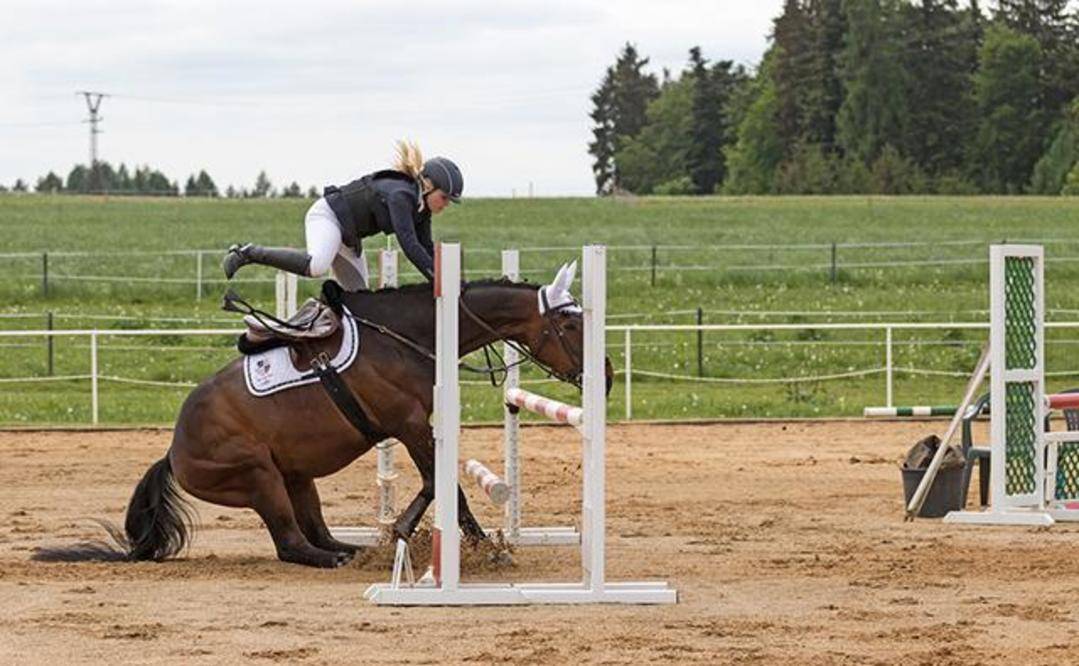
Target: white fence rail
x=828, y=259
x=886, y=330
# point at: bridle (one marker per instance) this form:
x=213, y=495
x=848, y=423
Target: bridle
x=572, y=377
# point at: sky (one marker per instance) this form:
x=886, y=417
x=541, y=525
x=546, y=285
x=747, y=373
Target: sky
x=317, y=92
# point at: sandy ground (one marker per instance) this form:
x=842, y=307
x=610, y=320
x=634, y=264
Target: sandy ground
x=785, y=541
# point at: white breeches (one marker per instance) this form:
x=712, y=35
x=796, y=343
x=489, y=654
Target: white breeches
x=323, y=236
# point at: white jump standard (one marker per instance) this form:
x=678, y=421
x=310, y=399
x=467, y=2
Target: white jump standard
x=1034, y=475
x=593, y=586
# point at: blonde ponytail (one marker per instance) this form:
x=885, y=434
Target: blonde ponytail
x=409, y=158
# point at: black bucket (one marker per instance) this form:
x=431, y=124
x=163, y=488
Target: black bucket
x=946, y=493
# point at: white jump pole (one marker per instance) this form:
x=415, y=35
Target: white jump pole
x=594, y=419
x=285, y=286
x=387, y=474
x=511, y=268
x=447, y=412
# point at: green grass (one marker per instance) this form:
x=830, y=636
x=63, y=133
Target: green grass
x=125, y=238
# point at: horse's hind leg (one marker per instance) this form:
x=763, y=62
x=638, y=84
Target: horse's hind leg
x=308, y=510
x=272, y=502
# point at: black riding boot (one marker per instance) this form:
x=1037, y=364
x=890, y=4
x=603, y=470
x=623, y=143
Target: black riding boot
x=285, y=258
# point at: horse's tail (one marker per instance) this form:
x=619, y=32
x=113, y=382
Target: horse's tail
x=159, y=524
x=159, y=521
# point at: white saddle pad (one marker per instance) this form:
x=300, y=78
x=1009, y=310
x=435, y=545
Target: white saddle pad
x=272, y=371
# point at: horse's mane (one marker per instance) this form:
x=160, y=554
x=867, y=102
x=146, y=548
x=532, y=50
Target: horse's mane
x=399, y=304
x=425, y=288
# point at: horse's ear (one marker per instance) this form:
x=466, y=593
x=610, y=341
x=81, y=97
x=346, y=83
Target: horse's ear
x=568, y=276
x=556, y=283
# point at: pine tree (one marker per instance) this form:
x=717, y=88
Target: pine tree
x=874, y=109
x=1057, y=33
x=757, y=149
x=658, y=155
x=792, y=72
x=602, y=146
x=712, y=89
x=824, y=93
x=620, y=112
x=1009, y=135
x=49, y=183
x=939, y=55
x=263, y=186
x=206, y=185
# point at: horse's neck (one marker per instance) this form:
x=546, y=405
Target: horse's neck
x=505, y=309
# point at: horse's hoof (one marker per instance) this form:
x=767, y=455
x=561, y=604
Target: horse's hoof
x=342, y=558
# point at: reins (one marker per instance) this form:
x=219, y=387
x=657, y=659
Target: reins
x=496, y=373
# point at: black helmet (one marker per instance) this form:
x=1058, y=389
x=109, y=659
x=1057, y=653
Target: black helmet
x=444, y=175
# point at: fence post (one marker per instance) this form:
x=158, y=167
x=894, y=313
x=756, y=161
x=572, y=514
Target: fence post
x=888, y=366
x=93, y=376
x=45, y=274
x=628, y=357
x=48, y=344
x=198, y=275
x=700, y=343
x=653, y=265
x=833, y=262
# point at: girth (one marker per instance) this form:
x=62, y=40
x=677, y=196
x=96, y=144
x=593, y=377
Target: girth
x=343, y=398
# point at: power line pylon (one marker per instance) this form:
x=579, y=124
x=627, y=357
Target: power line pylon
x=93, y=103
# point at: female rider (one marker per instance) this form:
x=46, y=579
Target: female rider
x=397, y=201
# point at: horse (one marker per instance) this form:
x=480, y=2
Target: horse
x=234, y=449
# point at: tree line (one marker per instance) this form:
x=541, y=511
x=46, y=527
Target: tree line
x=856, y=96
x=102, y=178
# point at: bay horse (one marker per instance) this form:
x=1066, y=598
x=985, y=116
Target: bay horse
x=237, y=450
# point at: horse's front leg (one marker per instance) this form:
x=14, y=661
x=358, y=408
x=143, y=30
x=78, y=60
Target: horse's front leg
x=420, y=444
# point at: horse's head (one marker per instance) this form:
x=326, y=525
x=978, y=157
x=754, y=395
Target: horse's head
x=555, y=336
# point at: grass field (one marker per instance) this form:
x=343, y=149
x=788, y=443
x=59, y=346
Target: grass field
x=940, y=277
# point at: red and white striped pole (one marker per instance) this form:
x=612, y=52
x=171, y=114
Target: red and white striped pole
x=495, y=488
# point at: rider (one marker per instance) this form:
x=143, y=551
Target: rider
x=397, y=201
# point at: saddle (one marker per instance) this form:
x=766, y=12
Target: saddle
x=313, y=321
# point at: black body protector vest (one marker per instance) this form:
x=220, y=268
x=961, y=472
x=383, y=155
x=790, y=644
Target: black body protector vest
x=361, y=209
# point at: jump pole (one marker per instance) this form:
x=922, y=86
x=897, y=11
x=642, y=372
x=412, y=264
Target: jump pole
x=913, y=411
x=593, y=587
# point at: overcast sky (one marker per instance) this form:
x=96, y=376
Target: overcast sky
x=317, y=92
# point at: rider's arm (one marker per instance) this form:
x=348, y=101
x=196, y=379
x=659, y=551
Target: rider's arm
x=402, y=209
x=423, y=233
